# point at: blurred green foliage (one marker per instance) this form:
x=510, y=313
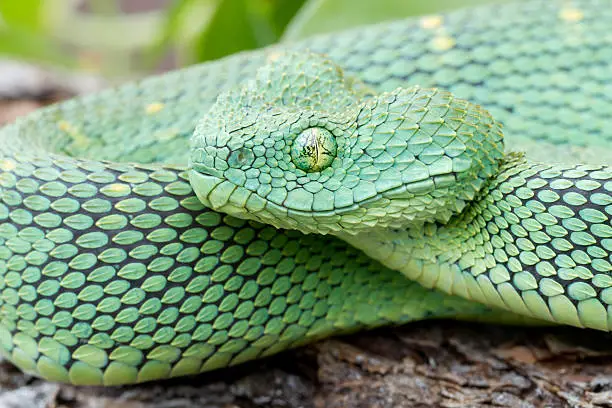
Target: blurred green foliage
x=22, y=33
x=231, y=25
x=321, y=16
x=100, y=37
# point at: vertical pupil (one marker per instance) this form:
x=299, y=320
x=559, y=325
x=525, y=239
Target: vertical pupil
x=314, y=149
x=311, y=147
x=310, y=150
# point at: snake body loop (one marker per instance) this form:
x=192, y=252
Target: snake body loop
x=115, y=267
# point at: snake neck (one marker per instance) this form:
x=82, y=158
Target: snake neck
x=536, y=241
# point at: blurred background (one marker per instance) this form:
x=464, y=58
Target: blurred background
x=121, y=39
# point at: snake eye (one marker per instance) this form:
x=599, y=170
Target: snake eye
x=314, y=149
x=240, y=157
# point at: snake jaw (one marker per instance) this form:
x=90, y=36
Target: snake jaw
x=203, y=184
x=207, y=170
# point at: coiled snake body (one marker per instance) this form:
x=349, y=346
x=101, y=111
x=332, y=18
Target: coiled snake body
x=113, y=272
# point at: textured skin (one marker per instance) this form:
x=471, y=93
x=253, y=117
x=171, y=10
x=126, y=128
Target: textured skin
x=536, y=241
x=390, y=159
x=116, y=273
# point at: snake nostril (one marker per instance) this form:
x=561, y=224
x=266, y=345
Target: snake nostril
x=241, y=157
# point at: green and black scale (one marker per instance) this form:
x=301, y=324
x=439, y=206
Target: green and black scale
x=113, y=272
x=134, y=279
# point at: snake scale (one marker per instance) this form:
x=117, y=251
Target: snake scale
x=344, y=182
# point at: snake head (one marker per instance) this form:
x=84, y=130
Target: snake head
x=302, y=146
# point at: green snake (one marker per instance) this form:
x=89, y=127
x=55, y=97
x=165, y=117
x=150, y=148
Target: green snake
x=138, y=225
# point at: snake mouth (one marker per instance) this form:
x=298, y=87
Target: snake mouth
x=207, y=170
x=216, y=192
x=204, y=184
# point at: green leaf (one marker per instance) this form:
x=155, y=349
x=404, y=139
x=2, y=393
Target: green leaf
x=177, y=18
x=21, y=44
x=179, y=28
x=275, y=14
x=239, y=25
x=321, y=16
x=199, y=30
x=25, y=14
x=230, y=30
